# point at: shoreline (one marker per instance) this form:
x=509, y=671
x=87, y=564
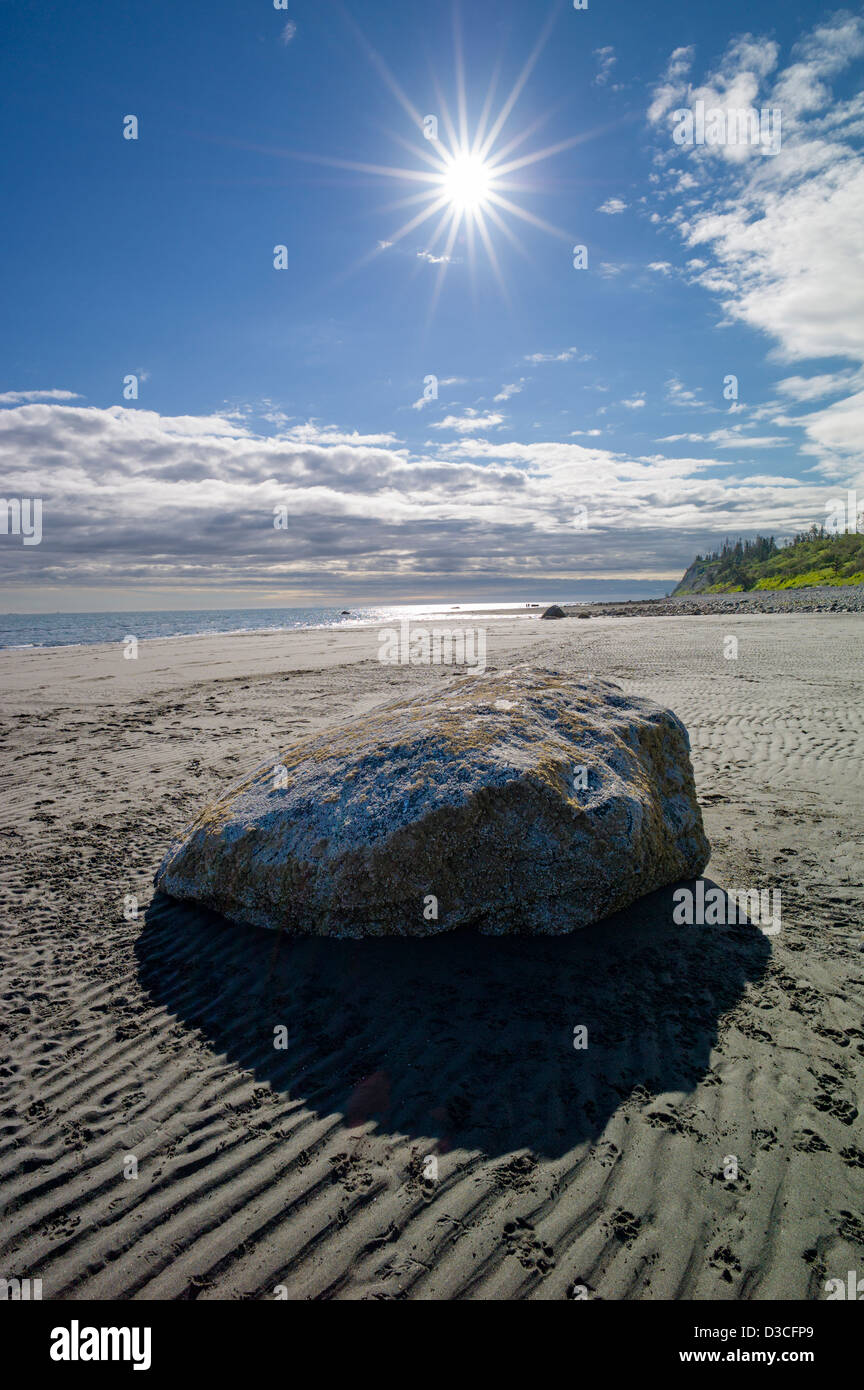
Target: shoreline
x=814, y=600
x=424, y=616
x=824, y=599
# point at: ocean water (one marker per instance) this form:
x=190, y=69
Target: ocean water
x=85, y=629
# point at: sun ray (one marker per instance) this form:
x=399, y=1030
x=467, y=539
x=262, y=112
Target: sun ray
x=447, y=216
x=410, y=201
x=381, y=67
x=471, y=242
x=461, y=94
x=490, y=252
x=519, y=84
x=487, y=109
x=426, y=155
x=393, y=238
x=446, y=117
x=526, y=216
x=537, y=155
x=369, y=256
x=356, y=166
x=508, y=232
x=417, y=221
x=448, y=252
x=523, y=135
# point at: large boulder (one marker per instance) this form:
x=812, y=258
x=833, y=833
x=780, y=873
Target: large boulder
x=521, y=801
x=554, y=612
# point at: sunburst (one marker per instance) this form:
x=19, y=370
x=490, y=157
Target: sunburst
x=469, y=177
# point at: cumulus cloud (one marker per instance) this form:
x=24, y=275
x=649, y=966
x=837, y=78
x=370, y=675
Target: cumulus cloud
x=672, y=88
x=732, y=86
x=835, y=432
x=777, y=240
x=814, y=388
x=613, y=206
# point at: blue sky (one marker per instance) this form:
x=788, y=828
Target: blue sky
x=580, y=430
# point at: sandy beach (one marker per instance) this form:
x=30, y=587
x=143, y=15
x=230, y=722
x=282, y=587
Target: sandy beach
x=155, y=1145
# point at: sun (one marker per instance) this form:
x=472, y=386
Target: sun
x=464, y=172
x=467, y=182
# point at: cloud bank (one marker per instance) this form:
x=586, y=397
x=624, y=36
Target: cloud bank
x=135, y=498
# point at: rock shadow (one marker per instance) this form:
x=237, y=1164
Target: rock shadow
x=460, y=1039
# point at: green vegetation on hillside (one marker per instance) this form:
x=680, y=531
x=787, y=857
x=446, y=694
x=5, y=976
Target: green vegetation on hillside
x=811, y=558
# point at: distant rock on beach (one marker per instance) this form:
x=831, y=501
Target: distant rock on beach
x=519, y=801
x=554, y=612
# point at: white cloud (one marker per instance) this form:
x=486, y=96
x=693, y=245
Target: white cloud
x=814, y=388
x=679, y=394
x=567, y=355
x=635, y=403
x=288, y=32
x=836, y=432
x=733, y=86
x=673, y=86
x=831, y=46
x=613, y=206
x=790, y=262
x=470, y=422
x=778, y=239
x=728, y=439
x=313, y=433
x=606, y=61
x=512, y=390
x=21, y=397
